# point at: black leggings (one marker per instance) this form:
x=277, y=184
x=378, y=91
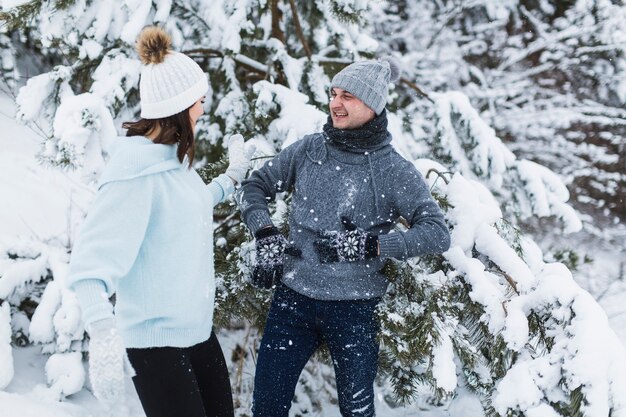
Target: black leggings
x=190, y=382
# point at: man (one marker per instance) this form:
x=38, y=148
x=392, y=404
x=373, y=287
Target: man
x=349, y=188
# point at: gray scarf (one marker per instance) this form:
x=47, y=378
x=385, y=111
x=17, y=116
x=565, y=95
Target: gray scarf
x=370, y=137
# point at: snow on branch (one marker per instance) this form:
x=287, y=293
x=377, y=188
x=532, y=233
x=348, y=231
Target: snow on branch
x=296, y=118
x=6, y=352
x=83, y=129
x=547, y=194
x=17, y=275
x=548, y=369
x=469, y=145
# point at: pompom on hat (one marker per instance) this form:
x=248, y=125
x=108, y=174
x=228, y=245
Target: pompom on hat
x=368, y=81
x=170, y=81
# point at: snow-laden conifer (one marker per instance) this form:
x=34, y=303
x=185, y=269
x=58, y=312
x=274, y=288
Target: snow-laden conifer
x=488, y=88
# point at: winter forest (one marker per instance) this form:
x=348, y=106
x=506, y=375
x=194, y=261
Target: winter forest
x=513, y=110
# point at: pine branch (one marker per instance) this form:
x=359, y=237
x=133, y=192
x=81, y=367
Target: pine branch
x=414, y=86
x=508, y=279
x=277, y=16
x=248, y=63
x=322, y=59
x=439, y=174
x=531, y=19
x=452, y=14
x=206, y=52
x=239, y=356
x=226, y=221
x=296, y=21
x=190, y=11
x=545, y=43
x=18, y=17
x=345, y=16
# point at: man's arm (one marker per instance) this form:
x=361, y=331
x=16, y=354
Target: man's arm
x=428, y=233
x=275, y=176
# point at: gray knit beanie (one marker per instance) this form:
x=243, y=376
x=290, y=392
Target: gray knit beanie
x=368, y=81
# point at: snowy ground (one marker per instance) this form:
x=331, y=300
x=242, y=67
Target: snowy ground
x=35, y=202
x=27, y=395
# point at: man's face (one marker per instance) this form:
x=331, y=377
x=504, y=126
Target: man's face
x=347, y=111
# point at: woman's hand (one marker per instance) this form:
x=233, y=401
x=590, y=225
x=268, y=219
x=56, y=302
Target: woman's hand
x=239, y=158
x=108, y=362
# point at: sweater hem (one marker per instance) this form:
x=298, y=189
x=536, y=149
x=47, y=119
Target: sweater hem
x=144, y=337
x=355, y=295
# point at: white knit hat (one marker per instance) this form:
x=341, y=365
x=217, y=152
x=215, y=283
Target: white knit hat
x=170, y=81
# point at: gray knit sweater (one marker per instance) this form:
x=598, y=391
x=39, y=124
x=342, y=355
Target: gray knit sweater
x=373, y=189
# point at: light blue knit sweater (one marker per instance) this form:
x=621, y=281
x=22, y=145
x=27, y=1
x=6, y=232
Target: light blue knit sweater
x=148, y=238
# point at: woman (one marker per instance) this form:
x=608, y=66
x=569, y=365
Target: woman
x=148, y=238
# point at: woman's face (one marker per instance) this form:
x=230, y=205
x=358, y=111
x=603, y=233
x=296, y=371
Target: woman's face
x=196, y=111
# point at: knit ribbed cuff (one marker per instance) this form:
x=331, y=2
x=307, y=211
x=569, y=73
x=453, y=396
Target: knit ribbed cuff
x=258, y=219
x=392, y=245
x=93, y=299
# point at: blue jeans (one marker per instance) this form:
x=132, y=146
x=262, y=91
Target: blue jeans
x=296, y=326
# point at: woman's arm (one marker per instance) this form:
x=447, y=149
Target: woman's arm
x=108, y=243
x=239, y=163
x=221, y=187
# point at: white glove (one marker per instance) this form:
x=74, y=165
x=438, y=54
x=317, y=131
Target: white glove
x=238, y=157
x=108, y=362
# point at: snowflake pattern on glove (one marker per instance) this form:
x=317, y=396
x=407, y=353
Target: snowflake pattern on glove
x=354, y=244
x=270, y=250
x=271, y=247
x=350, y=245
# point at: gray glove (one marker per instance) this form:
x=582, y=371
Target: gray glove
x=238, y=157
x=108, y=362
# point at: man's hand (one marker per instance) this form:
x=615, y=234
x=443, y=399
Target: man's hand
x=238, y=157
x=271, y=247
x=108, y=362
x=353, y=244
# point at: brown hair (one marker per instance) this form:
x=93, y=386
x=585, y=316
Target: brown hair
x=174, y=129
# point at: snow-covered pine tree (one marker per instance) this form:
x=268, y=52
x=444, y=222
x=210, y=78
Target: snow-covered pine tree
x=8, y=70
x=489, y=315
x=547, y=76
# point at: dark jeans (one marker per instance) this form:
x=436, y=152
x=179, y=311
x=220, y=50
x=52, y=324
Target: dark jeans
x=190, y=382
x=296, y=326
